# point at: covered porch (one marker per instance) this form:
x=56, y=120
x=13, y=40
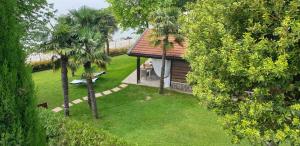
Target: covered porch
x=149, y=73
x=146, y=73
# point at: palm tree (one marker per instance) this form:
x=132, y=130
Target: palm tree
x=165, y=27
x=106, y=24
x=73, y=65
x=61, y=42
x=89, y=49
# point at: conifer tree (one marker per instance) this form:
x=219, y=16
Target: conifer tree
x=18, y=117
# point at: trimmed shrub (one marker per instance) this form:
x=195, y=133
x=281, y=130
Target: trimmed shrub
x=45, y=65
x=118, y=52
x=62, y=131
x=48, y=64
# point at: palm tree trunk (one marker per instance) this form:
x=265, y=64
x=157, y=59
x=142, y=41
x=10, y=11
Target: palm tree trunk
x=107, y=46
x=93, y=98
x=86, y=66
x=89, y=99
x=91, y=91
x=162, y=75
x=64, y=81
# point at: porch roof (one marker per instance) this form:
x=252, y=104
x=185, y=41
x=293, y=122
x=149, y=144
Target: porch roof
x=144, y=48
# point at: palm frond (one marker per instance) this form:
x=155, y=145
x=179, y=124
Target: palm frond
x=179, y=39
x=73, y=64
x=89, y=44
x=165, y=26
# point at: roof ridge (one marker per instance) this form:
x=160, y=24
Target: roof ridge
x=142, y=35
x=143, y=48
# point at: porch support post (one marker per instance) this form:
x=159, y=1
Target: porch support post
x=171, y=73
x=138, y=70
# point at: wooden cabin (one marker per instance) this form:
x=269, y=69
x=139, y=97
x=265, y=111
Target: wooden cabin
x=178, y=66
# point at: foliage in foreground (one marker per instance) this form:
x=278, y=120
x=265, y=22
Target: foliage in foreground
x=63, y=131
x=19, y=124
x=245, y=61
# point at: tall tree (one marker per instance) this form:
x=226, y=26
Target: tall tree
x=19, y=124
x=34, y=16
x=165, y=28
x=62, y=42
x=132, y=13
x=106, y=24
x=90, y=48
x=245, y=62
x=136, y=14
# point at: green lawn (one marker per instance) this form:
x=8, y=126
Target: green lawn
x=48, y=83
x=162, y=120
x=173, y=119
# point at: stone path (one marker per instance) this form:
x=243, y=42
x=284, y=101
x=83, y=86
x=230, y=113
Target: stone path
x=107, y=92
x=80, y=100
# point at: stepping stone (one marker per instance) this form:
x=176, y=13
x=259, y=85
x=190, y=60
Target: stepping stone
x=85, y=98
x=98, y=95
x=57, y=109
x=148, y=98
x=116, y=89
x=70, y=104
x=107, y=92
x=77, y=101
x=123, y=85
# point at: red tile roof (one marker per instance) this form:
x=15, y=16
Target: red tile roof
x=144, y=48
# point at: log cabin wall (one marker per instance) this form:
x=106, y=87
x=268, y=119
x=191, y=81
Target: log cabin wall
x=179, y=70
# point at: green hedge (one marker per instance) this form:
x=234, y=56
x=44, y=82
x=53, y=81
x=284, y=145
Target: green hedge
x=67, y=132
x=118, y=51
x=44, y=65
x=48, y=64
